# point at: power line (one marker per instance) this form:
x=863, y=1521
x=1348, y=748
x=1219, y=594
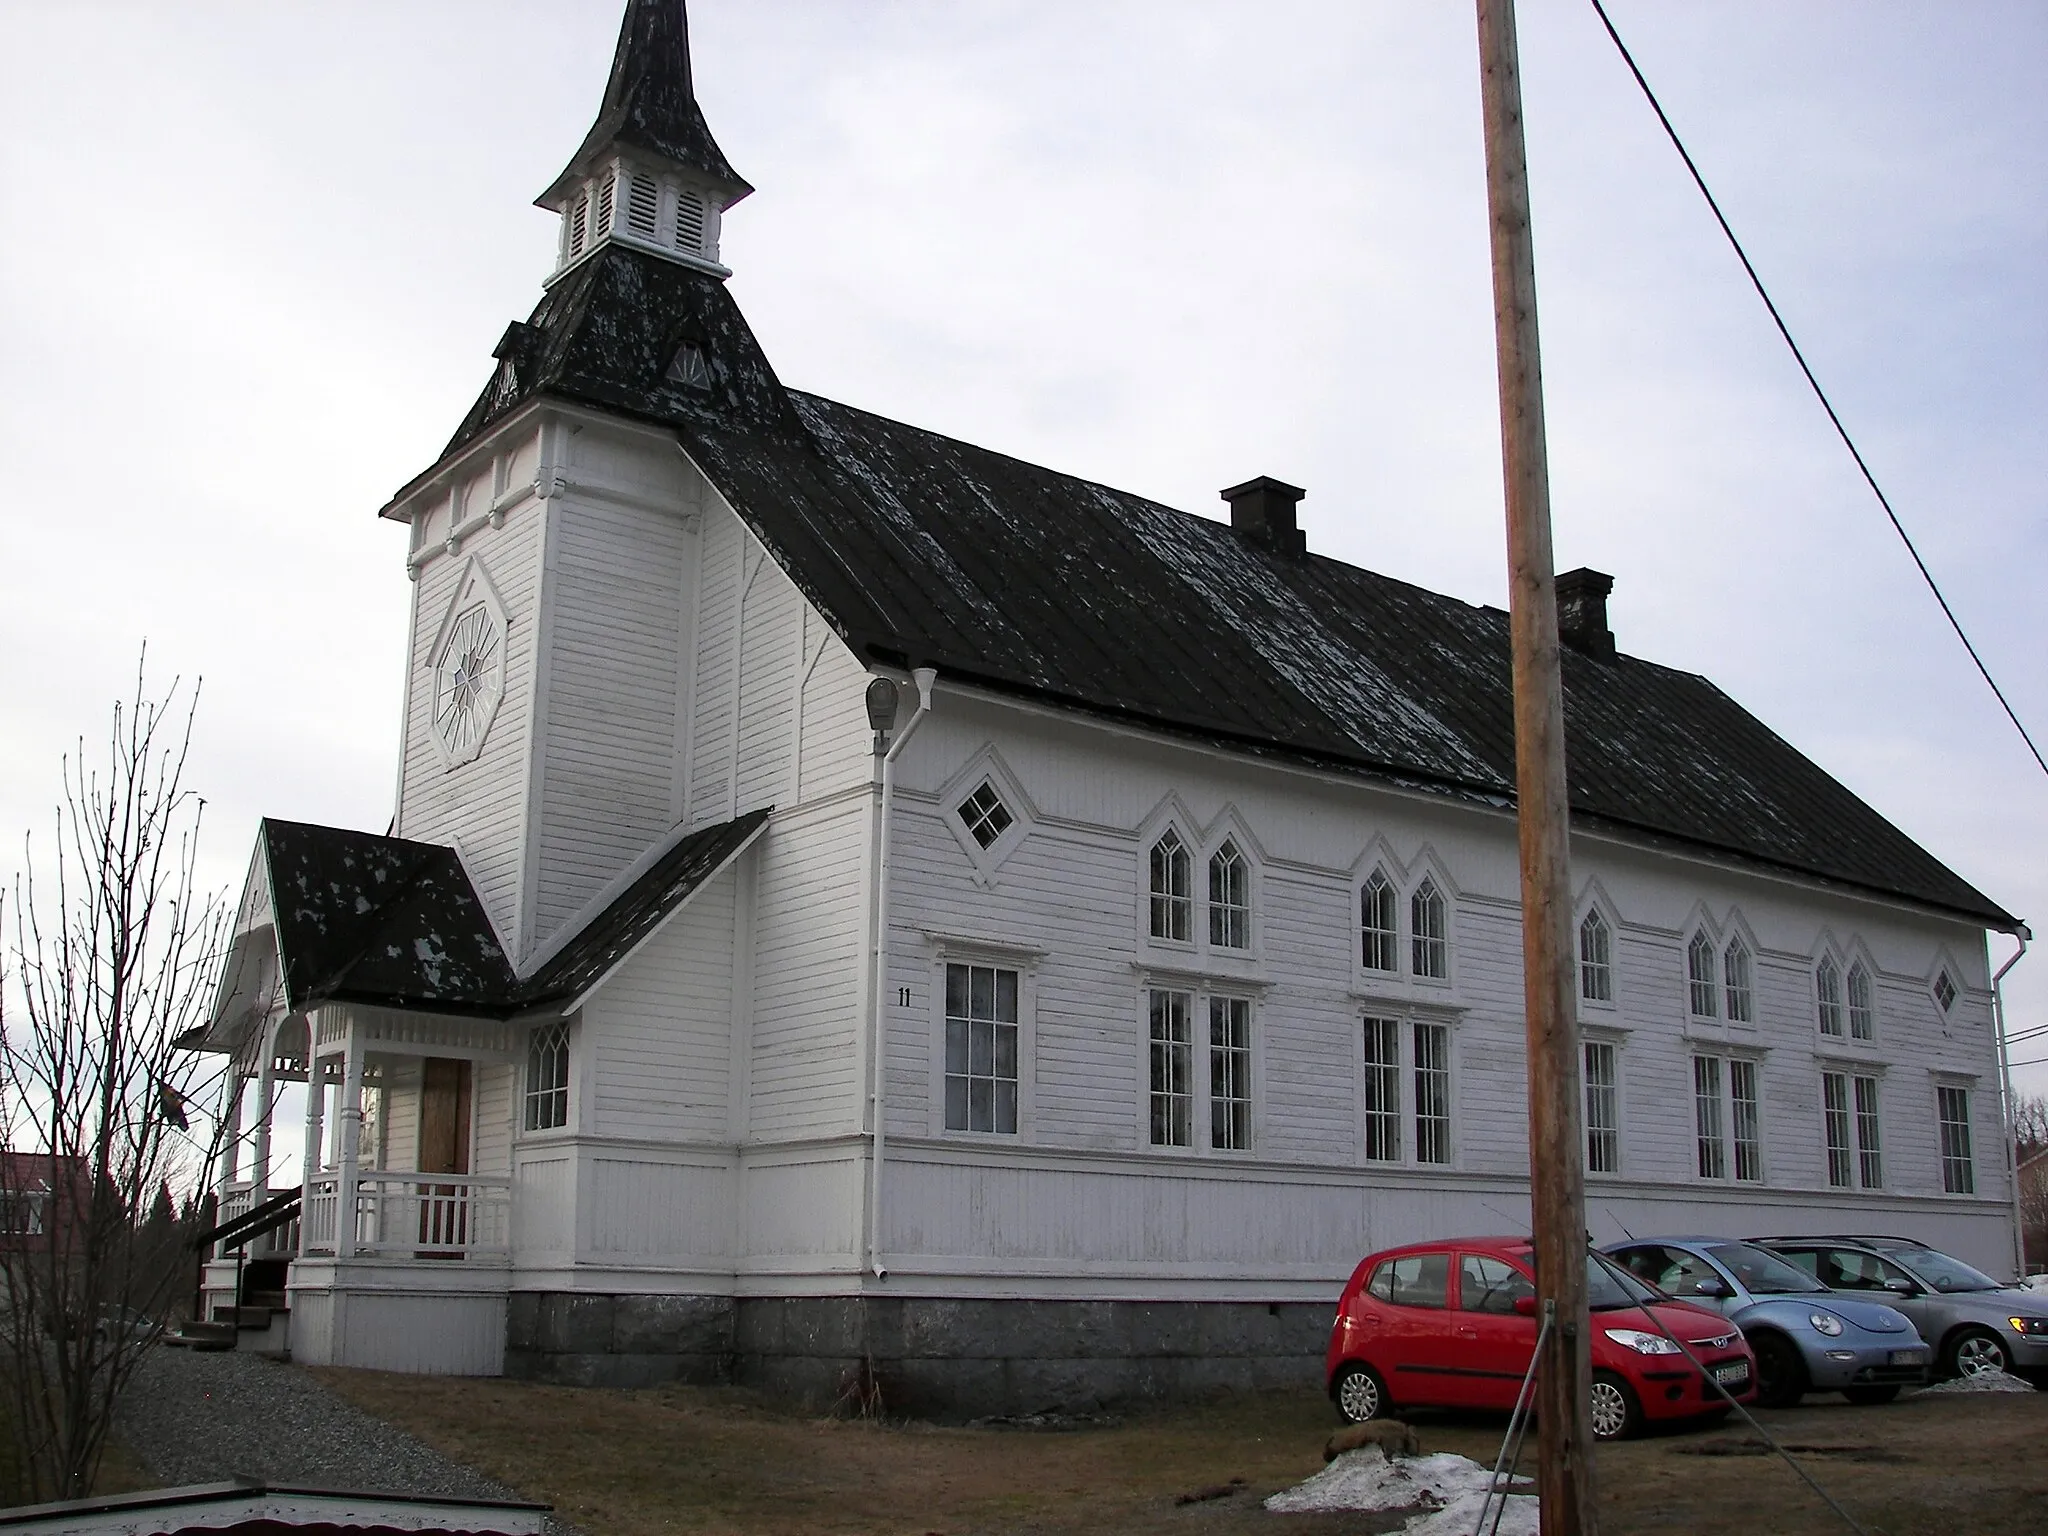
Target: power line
x=1819, y=393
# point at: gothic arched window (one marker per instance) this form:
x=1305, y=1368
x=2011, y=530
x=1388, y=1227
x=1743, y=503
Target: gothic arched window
x=1172, y=893
x=1699, y=970
x=1230, y=899
x=1429, y=929
x=1596, y=959
x=1379, y=942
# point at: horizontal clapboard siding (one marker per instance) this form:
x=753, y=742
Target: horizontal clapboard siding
x=614, y=682
x=807, y=995
x=1069, y=896
x=659, y=1034
x=480, y=805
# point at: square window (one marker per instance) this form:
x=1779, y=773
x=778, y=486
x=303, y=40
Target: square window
x=985, y=816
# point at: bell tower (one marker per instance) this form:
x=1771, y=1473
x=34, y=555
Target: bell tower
x=648, y=174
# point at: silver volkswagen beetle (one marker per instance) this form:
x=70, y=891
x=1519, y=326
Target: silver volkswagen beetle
x=1974, y=1323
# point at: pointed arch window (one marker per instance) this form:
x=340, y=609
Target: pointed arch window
x=1700, y=972
x=1230, y=899
x=1862, y=1010
x=1379, y=941
x=1827, y=992
x=1172, y=894
x=1596, y=959
x=1429, y=929
x=1738, y=973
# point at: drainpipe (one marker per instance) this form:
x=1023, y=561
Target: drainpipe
x=2012, y=1141
x=925, y=678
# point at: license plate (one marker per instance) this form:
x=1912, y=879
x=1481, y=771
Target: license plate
x=1731, y=1375
x=1909, y=1357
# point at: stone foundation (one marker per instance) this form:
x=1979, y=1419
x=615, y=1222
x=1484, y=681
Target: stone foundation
x=929, y=1357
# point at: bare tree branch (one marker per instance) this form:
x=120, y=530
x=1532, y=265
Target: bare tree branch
x=112, y=953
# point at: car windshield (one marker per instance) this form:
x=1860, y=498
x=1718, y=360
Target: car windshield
x=1945, y=1274
x=1761, y=1273
x=1607, y=1286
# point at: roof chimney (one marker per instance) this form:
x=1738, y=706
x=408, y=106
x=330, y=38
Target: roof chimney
x=1582, y=611
x=1262, y=511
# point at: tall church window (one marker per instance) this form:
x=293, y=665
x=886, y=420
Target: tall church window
x=1230, y=1074
x=1379, y=943
x=1736, y=972
x=1596, y=959
x=1230, y=899
x=547, y=1077
x=1827, y=991
x=1429, y=932
x=1862, y=1012
x=1172, y=895
x=1171, y=1052
x=1700, y=976
x=981, y=1049
x=1603, y=1108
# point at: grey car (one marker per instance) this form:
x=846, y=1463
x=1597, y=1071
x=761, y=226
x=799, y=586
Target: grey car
x=1974, y=1323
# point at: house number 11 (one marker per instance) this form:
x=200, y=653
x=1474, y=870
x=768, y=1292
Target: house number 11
x=903, y=997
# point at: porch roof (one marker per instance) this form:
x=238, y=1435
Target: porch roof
x=387, y=921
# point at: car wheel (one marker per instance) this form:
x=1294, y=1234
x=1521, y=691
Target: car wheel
x=1616, y=1413
x=1866, y=1397
x=1976, y=1352
x=1359, y=1394
x=1780, y=1372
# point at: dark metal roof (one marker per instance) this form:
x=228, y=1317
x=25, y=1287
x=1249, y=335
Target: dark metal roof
x=388, y=921
x=650, y=103
x=922, y=549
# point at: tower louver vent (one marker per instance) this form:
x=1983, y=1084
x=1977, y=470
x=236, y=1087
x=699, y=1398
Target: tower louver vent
x=642, y=201
x=579, y=226
x=604, y=206
x=689, y=221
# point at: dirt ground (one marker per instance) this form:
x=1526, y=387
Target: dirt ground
x=715, y=1460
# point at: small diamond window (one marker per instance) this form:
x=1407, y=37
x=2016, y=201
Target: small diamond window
x=1945, y=992
x=984, y=815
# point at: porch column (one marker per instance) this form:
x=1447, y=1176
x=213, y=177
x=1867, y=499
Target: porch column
x=316, y=1103
x=231, y=1140
x=266, y=1089
x=349, y=1122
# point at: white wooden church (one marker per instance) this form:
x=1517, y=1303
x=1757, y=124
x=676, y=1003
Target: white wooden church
x=857, y=897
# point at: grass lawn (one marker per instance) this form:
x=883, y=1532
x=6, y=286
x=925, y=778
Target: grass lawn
x=685, y=1459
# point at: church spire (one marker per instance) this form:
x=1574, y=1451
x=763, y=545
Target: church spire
x=648, y=173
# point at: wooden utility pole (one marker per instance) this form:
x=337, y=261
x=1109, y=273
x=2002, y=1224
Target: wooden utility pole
x=1557, y=1181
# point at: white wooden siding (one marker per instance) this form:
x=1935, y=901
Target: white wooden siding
x=659, y=1033
x=614, y=678
x=1067, y=897
x=480, y=806
x=806, y=1071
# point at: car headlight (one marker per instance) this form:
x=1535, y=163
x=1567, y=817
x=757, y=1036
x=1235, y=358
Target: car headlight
x=1827, y=1323
x=2037, y=1325
x=1643, y=1343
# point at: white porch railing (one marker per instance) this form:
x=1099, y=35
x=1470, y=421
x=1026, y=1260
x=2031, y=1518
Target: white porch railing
x=414, y=1215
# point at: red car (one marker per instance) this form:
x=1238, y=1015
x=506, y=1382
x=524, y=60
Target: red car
x=1452, y=1324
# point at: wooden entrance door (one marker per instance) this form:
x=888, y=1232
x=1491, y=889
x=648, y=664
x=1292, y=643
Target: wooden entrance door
x=444, y=1148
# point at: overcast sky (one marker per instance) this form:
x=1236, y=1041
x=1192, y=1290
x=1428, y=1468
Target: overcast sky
x=254, y=258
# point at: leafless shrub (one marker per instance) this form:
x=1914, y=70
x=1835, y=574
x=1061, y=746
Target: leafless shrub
x=110, y=955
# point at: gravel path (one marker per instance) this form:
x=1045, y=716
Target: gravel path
x=193, y=1416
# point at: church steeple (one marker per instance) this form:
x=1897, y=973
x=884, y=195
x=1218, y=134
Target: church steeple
x=648, y=174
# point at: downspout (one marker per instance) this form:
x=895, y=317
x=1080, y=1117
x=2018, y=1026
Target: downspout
x=925, y=678
x=2012, y=1140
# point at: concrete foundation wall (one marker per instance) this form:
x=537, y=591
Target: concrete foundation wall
x=934, y=1357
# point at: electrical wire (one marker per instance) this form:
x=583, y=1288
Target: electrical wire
x=1819, y=394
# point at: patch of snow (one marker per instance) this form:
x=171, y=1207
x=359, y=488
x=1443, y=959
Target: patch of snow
x=1447, y=1491
x=1990, y=1381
